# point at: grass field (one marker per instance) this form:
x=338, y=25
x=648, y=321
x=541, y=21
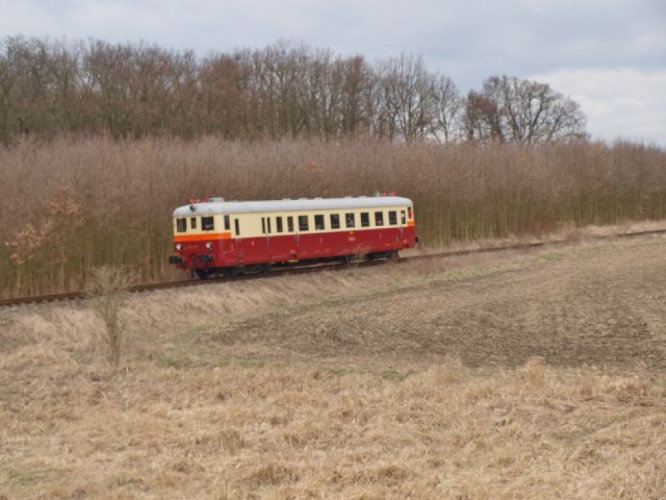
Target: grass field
x=534, y=375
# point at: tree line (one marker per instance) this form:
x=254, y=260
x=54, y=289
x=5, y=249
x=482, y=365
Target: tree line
x=50, y=87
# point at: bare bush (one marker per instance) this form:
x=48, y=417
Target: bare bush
x=108, y=289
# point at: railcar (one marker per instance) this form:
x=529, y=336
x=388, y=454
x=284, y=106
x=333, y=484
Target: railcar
x=215, y=236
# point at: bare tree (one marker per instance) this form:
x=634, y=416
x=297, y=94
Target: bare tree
x=448, y=106
x=357, y=99
x=406, y=98
x=522, y=111
x=283, y=90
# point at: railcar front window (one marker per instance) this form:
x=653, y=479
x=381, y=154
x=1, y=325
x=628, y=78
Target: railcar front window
x=350, y=221
x=403, y=217
x=365, y=219
x=303, y=223
x=379, y=218
x=393, y=218
x=207, y=223
x=335, y=221
x=181, y=225
x=290, y=224
x=236, y=223
x=319, y=222
x=278, y=224
x=227, y=223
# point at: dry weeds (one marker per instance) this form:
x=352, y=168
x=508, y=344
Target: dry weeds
x=108, y=291
x=267, y=417
x=68, y=206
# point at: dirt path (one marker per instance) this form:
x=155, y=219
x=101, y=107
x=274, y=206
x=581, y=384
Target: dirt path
x=601, y=305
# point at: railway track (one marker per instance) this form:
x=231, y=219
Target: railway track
x=16, y=301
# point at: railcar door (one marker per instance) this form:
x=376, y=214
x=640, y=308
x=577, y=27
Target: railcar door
x=238, y=242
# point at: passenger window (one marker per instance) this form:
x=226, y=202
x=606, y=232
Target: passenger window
x=303, y=223
x=193, y=223
x=335, y=221
x=365, y=219
x=181, y=225
x=350, y=220
x=207, y=223
x=278, y=224
x=393, y=218
x=227, y=223
x=263, y=225
x=403, y=217
x=290, y=224
x=268, y=224
x=379, y=219
x=237, y=227
x=319, y=222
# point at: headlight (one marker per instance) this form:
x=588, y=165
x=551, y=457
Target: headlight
x=179, y=247
x=209, y=246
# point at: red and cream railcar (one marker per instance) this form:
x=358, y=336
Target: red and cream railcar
x=216, y=236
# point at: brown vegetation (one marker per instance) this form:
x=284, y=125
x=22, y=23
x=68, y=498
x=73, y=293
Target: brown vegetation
x=273, y=412
x=48, y=88
x=108, y=290
x=68, y=206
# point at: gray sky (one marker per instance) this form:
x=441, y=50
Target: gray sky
x=608, y=55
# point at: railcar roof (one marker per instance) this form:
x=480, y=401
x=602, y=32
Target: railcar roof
x=310, y=204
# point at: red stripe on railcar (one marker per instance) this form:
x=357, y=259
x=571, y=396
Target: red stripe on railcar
x=226, y=252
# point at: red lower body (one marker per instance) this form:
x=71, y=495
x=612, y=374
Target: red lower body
x=272, y=249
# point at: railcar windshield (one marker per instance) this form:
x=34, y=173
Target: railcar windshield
x=207, y=223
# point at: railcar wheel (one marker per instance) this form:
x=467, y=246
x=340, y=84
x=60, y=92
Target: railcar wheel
x=255, y=269
x=230, y=272
x=352, y=260
x=202, y=273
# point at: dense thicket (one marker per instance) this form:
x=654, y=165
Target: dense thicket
x=282, y=91
x=68, y=206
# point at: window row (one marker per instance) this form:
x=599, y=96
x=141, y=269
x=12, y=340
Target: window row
x=335, y=221
x=207, y=224
x=287, y=224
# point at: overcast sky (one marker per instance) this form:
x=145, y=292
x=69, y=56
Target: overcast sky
x=608, y=55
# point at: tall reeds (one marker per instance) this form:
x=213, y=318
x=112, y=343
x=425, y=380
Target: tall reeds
x=71, y=205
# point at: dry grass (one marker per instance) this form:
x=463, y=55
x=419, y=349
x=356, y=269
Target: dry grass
x=108, y=291
x=69, y=206
x=303, y=431
x=189, y=417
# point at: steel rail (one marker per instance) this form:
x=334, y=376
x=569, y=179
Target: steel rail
x=336, y=266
